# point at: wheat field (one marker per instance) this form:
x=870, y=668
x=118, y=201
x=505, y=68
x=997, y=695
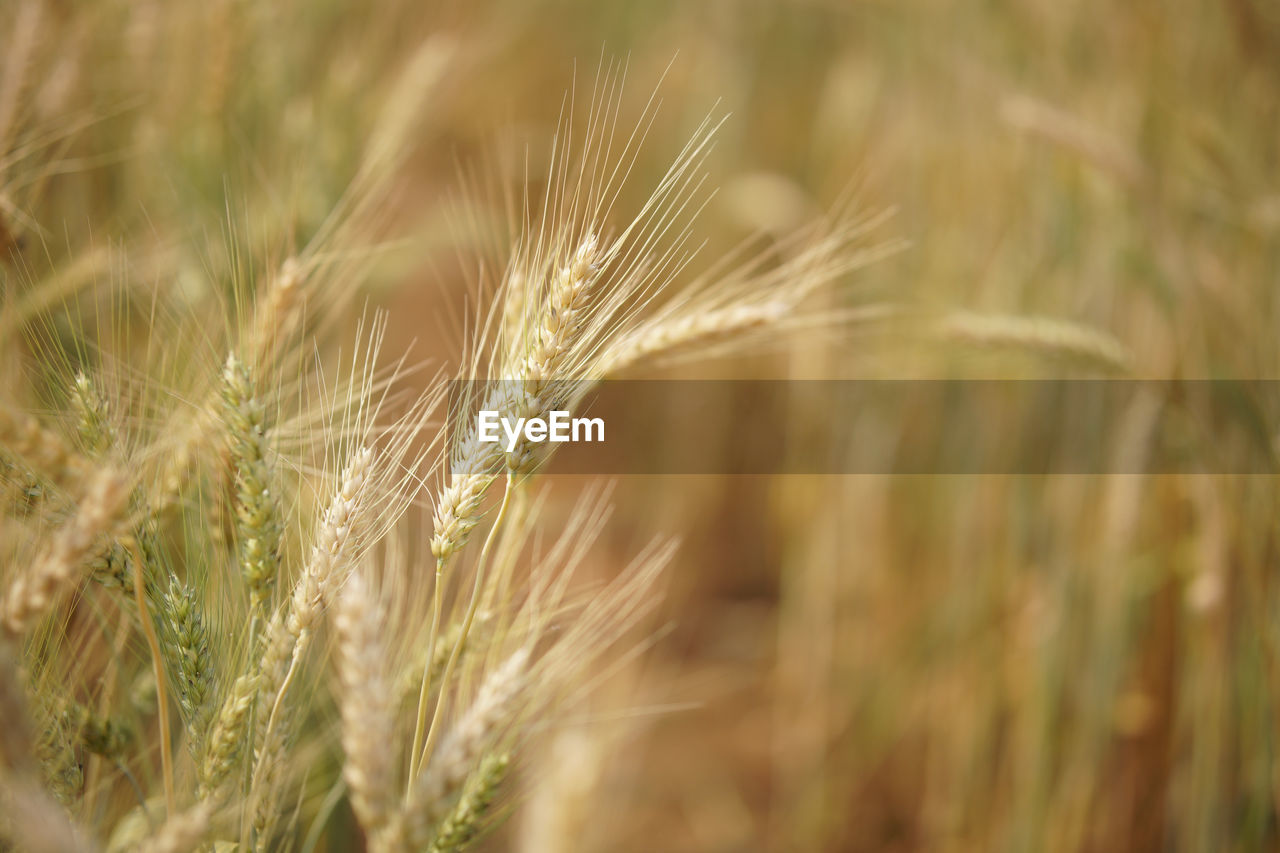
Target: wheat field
x=265, y=584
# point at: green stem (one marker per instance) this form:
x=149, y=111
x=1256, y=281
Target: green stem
x=434, y=731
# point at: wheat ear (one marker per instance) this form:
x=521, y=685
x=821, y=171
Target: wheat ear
x=690, y=330
x=188, y=640
x=228, y=736
x=182, y=832
x=459, y=752
x=288, y=635
x=368, y=721
x=257, y=514
x=561, y=316
x=41, y=450
x=1038, y=334
x=523, y=392
x=462, y=824
x=288, y=632
x=31, y=595
x=93, y=420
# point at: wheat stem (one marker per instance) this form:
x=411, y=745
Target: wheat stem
x=472, y=606
x=419, y=728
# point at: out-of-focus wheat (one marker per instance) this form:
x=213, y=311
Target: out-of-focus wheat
x=66, y=557
x=368, y=721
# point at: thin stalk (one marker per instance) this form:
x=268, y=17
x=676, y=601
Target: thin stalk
x=264, y=754
x=508, y=550
x=434, y=731
x=420, y=727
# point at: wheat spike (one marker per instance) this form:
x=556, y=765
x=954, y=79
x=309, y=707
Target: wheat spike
x=182, y=832
x=257, y=514
x=532, y=368
x=560, y=317
x=462, y=824
x=188, y=641
x=463, y=746
x=67, y=555
x=689, y=330
x=289, y=632
x=41, y=450
x=227, y=738
x=93, y=421
x=291, y=626
x=368, y=722
x=1038, y=334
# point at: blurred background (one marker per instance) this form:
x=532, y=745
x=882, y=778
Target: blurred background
x=844, y=663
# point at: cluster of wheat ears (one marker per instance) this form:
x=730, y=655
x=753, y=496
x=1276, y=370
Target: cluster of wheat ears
x=240, y=588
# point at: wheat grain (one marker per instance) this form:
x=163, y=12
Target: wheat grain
x=228, y=736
